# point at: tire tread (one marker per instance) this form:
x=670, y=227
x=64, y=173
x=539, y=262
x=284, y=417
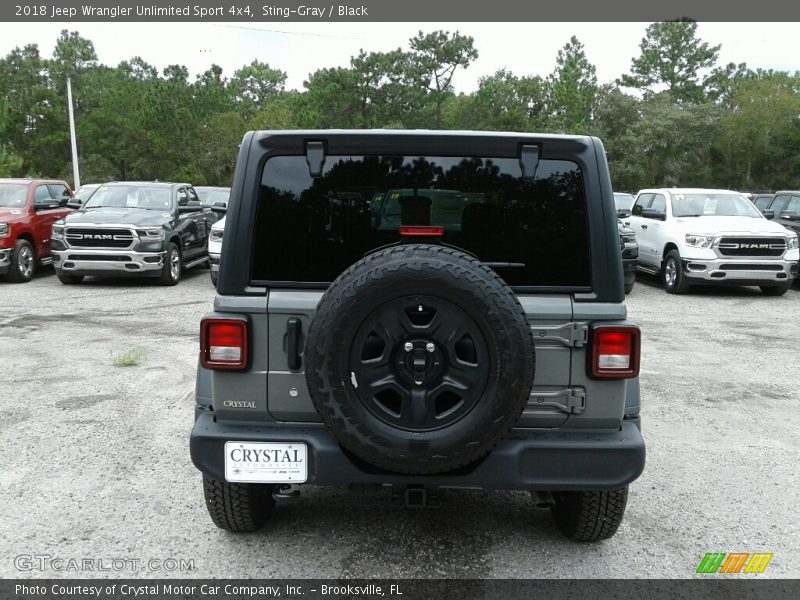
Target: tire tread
x=238, y=507
x=590, y=516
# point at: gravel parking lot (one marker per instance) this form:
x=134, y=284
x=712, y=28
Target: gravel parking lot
x=96, y=459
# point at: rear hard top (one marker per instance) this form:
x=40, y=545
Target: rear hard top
x=538, y=209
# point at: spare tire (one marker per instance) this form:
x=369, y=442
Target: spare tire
x=419, y=359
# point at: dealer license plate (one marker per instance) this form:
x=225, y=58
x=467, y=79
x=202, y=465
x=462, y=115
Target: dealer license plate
x=261, y=462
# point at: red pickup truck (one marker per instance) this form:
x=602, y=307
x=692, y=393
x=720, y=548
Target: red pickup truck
x=28, y=208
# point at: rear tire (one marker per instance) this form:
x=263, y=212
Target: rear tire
x=238, y=507
x=68, y=279
x=214, y=278
x=675, y=281
x=173, y=266
x=774, y=290
x=23, y=262
x=590, y=516
x=628, y=288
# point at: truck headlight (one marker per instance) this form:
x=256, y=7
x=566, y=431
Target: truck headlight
x=699, y=241
x=58, y=232
x=791, y=242
x=151, y=234
x=4, y=229
x=216, y=235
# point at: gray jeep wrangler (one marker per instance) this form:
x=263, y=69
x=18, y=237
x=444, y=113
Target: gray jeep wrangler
x=420, y=310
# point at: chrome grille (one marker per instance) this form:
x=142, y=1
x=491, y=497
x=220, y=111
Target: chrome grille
x=752, y=246
x=85, y=237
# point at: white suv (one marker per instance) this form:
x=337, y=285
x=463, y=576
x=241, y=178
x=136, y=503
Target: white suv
x=697, y=236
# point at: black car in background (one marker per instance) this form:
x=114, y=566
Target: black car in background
x=782, y=207
x=761, y=201
x=629, y=247
x=134, y=228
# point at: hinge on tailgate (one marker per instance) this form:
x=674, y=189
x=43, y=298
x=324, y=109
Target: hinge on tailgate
x=570, y=334
x=315, y=157
x=569, y=400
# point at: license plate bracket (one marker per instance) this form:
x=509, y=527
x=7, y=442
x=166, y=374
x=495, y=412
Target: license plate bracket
x=266, y=462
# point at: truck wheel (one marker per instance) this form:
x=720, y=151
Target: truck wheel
x=214, y=278
x=171, y=272
x=23, y=262
x=674, y=279
x=589, y=516
x=238, y=507
x=774, y=290
x=629, y=287
x=68, y=279
x=419, y=359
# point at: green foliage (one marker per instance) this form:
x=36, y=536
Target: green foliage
x=672, y=58
x=670, y=144
x=573, y=87
x=432, y=63
x=689, y=121
x=129, y=358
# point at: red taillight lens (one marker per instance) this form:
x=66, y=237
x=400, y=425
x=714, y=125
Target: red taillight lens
x=615, y=352
x=223, y=344
x=421, y=231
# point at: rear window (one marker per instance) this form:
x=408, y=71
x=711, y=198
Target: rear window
x=533, y=233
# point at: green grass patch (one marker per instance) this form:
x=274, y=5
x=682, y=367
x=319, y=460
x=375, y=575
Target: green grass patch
x=129, y=358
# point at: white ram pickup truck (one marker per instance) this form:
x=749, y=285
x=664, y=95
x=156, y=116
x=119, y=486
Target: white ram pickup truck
x=697, y=236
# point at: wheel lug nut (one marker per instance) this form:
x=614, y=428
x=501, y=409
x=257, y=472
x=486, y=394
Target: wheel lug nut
x=430, y=347
x=408, y=346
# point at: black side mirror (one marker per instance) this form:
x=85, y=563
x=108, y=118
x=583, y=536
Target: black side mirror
x=63, y=201
x=649, y=213
x=220, y=207
x=623, y=212
x=790, y=215
x=768, y=213
x=191, y=206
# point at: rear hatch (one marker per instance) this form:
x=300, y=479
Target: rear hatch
x=529, y=223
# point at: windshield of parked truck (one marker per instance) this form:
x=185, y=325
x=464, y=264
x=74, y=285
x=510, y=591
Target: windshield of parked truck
x=85, y=192
x=13, y=195
x=623, y=201
x=713, y=205
x=209, y=195
x=149, y=197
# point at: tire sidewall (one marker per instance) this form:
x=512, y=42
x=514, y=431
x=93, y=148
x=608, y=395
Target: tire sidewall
x=166, y=275
x=673, y=256
x=15, y=273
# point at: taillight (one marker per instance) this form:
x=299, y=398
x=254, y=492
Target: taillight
x=223, y=344
x=615, y=352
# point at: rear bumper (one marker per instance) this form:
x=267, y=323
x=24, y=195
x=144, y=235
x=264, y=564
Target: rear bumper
x=524, y=460
x=107, y=261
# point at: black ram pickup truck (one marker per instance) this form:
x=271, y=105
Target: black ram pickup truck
x=146, y=229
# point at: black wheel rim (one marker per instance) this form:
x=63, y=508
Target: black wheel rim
x=419, y=363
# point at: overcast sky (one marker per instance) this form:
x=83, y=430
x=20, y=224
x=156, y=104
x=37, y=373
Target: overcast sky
x=300, y=48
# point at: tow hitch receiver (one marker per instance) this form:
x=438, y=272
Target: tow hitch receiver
x=414, y=496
